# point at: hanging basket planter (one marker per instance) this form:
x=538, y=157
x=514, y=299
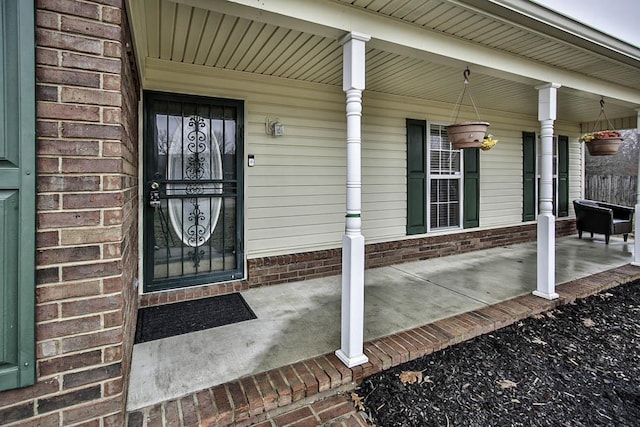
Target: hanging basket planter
x=605, y=142
x=604, y=145
x=467, y=135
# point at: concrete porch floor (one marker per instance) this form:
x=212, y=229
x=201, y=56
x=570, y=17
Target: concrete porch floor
x=301, y=320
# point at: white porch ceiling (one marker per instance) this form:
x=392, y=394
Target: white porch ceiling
x=182, y=32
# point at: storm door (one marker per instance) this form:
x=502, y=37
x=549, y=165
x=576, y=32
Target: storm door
x=193, y=191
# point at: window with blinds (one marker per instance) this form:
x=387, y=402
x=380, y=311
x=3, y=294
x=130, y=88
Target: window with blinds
x=445, y=180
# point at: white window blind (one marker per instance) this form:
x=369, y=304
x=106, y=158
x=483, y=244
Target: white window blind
x=445, y=179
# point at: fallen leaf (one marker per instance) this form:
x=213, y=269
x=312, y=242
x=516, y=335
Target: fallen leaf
x=588, y=322
x=507, y=384
x=357, y=401
x=539, y=341
x=411, y=377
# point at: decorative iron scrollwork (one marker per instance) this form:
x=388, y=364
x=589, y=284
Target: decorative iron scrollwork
x=194, y=160
x=196, y=169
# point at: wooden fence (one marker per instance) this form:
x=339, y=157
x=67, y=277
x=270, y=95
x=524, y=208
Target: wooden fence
x=620, y=190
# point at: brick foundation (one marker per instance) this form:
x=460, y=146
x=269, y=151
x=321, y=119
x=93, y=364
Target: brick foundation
x=311, y=265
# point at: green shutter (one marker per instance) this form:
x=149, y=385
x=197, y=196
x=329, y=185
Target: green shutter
x=17, y=194
x=529, y=176
x=416, y=176
x=471, y=214
x=563, y=176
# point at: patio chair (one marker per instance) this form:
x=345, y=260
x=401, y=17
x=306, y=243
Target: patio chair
x=603, y=218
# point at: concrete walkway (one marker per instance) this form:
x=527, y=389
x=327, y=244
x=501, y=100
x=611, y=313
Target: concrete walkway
x=300, y=321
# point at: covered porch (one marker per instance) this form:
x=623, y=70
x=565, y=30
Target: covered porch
x=391, y=64
x=297, y=321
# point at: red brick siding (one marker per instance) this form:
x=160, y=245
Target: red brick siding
x=87, y=121
x=310, y=265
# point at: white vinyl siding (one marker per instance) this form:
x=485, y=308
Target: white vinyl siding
x=296, y=193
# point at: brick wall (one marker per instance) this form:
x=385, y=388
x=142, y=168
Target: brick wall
x=87, y=237
x=310, y=265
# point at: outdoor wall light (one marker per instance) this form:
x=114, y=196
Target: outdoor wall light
x=273, y=127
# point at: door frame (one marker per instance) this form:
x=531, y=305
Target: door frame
x=240, y=270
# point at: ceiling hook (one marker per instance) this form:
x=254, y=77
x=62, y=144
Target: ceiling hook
x=466, y=74
x=602, y=103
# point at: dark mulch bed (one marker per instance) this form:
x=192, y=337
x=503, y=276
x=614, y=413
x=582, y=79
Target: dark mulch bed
x=578, y=365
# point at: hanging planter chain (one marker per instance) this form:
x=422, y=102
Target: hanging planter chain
x=467, y=134
x=466, y=88
x=598, y=119
x=602, y=143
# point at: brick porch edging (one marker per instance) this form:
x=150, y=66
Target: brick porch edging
x=310, y=390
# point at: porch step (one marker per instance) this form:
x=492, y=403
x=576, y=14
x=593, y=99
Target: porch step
x=317, y=391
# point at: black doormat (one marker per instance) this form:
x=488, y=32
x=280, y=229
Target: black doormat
x=164, y=321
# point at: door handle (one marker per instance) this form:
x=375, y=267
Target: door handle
x=154, y=195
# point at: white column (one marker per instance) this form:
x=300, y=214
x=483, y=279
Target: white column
x=636, y=226
x=547, y=105
x=351, y=351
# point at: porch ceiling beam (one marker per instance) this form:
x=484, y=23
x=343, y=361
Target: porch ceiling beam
x=334, y=20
